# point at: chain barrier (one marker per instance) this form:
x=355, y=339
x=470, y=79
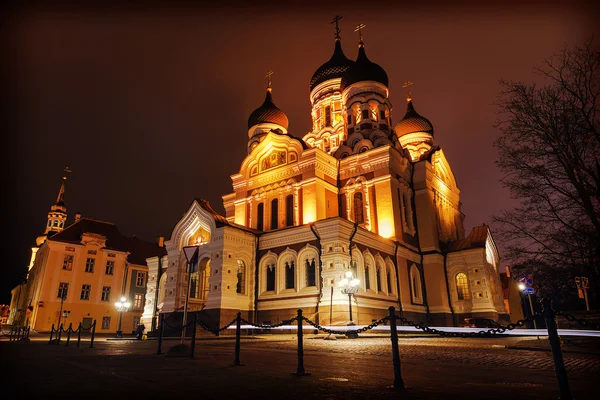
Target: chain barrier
x=580, y=321
x=286, y=322
x=351, y=331
x=483, y=333
x=218, y=330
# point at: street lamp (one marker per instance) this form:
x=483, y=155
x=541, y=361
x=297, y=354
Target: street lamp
x=122, y=306
x=525, y=290
x=349, y=286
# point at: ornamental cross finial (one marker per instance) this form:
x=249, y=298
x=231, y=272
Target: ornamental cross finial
x=407, y=85
x=66, y=170
x=268, y=76
x=359, y=30
x=337, y=27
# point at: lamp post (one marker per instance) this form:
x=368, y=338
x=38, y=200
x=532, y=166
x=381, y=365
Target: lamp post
x=122, y=306
x=349, y=286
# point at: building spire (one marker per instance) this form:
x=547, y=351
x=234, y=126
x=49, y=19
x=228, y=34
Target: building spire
x=337, y=27
x=359, y=29
x=407, y=86
x=268, y=76
x=61, y=193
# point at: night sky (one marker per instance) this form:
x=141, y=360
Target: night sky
x=149, y=106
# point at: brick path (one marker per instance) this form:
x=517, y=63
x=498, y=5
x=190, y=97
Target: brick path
x=435, y=368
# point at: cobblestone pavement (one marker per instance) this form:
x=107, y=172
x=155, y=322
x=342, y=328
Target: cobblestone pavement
x=435, y=368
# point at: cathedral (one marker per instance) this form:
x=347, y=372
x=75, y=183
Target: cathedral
x=359, y=203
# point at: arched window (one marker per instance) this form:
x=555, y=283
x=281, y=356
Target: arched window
x=388, y=276
x=194, y=278
x=358, y=208
x=289, y=274
x=367, y=278
x=260, y=216
x=274, y=214
x=378, y=279
x=416, y=290
x=271, y=277
x=310, y=273
x=241, y=275
x=55, y=222
x=289, y=210
x=462, y=286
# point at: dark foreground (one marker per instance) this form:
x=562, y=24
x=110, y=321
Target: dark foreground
x=434, y=368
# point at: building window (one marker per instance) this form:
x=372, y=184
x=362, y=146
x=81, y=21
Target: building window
x=462, y=286
x=105, y=322
x=105, y=293
x=328, y=116
x=241, y=272
x=274, y=213
x=94, y=252
x=55, y=222
x=367, y=278
x=138, y=301
x=260, y=216
x=289, y=210
x=378, y=279
x=270, y=277
x=195, y=285
x=365, y=114
x=415, y=285
x=68, y=262
x=89, y=264
x=388, y=275
x=289, y=275
x=140, y=279
x=85, y=292
x=382, y=114
x=110, y=267
x=359, y=216
x=63, y=289
x=310, y=273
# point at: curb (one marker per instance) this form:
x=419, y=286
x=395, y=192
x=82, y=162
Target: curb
x=577, y=351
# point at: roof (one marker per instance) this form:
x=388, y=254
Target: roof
x=139, y=249
x=476, y=239
x=220, y=220
x=337, y=65
x=412, y=122
x=363, y=70
x=268, y=112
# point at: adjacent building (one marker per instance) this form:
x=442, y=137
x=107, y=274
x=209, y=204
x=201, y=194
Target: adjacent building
x=78, y=272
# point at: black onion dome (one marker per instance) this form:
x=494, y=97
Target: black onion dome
x=337, y=65
x=413, y=122
x=268, y=112
x=363, y=70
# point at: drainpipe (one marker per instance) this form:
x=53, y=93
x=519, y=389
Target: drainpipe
x=350, y=240
x=412, y=180
x=314, y=231
x=395, y=261
x=448, y=289
x=255, y=319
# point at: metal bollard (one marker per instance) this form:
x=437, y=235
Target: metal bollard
x=559, y=364
x=238, y=330
x=51, y=333
x=69, y=330
x=79, y=335
x=398, y=382
x=300, y=370
x=160, y=335
x=59, y=334
x=193, y=344
x=93, y=334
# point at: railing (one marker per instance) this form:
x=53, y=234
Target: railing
x=69, y=331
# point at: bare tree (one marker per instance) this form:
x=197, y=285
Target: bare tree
x=549, y=150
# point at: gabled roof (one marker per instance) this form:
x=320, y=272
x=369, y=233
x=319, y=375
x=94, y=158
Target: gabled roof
x=220, y=220
x=476, y=239
x=139, y=249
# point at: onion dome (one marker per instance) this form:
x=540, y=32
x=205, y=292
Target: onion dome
x=412, y=122
x=268, y=113
x=363, y=70
x=337, y=65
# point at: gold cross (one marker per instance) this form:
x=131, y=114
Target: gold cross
x=268, y=76
x=359, y=30
x=337, y=28
x=66, y=170
x=407, y=85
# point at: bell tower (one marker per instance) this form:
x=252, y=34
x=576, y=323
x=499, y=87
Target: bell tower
x=57, y=216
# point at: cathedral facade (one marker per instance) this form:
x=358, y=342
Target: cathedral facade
x=356, y=195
